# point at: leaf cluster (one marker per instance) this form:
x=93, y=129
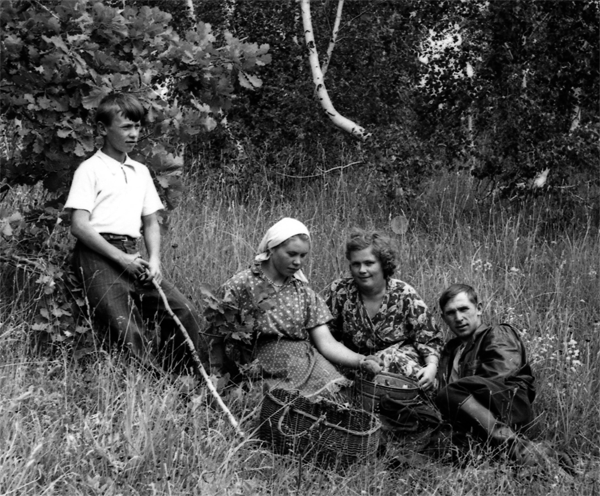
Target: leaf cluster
x=526, y=75
x=37, y=272
x=60, y=58
x=237, y=326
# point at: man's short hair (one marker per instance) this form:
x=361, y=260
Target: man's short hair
x=455, y=290
x=124, y=103
x=381, y=244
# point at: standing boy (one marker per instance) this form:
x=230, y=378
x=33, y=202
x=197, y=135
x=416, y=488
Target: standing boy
x=113, y=203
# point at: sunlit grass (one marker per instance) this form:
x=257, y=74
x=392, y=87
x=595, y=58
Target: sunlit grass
x=91, y=424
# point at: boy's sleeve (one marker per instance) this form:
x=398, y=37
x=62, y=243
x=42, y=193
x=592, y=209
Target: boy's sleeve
x=152, y=202
x=82, y=193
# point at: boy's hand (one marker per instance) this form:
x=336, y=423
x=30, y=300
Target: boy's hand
x=153, y=271
x=135, y=265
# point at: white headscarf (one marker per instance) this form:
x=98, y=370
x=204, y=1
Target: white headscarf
x=277, y=234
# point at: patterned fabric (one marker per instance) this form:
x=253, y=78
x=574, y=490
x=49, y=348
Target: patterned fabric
x=297, y=365
x=279, y=322
x=403, y=333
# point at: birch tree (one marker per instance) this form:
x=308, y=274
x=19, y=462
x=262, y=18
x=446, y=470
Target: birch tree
x=317, y=73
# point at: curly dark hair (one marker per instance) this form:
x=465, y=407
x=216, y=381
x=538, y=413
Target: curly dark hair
x=382, y=245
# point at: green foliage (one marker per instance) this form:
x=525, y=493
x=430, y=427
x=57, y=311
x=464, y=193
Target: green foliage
x=37, y=273
x=369, y=80
x=237, y=327
x=82, y=424
x=60, y=58
x=526, y=73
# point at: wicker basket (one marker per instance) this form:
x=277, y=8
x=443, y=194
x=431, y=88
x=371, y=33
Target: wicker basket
x=321, y=431
x=368, y=394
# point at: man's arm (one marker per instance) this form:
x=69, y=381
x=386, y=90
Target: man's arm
x=500, y=353
x=152, y=240
x=85, y=233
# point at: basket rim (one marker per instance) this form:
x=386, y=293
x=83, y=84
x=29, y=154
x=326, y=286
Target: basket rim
x=289, y=406
x=414, y=386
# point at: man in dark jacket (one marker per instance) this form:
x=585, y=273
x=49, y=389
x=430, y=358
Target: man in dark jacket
x=486, y=384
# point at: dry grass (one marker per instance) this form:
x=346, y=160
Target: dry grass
x=93, y=425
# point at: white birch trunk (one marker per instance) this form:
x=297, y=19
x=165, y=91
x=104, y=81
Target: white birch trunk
x=339, y=120
x=190, y=4
x=336, y=29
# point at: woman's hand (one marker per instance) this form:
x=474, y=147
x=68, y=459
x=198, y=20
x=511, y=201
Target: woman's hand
x=371, y=365
x=426, y=376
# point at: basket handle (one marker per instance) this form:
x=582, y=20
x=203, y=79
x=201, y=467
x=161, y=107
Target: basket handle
x=286, y=411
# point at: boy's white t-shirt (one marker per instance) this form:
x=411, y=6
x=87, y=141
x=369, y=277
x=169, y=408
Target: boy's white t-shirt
x=116, y=195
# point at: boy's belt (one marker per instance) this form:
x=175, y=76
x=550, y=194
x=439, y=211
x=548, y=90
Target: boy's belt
x=117, y=237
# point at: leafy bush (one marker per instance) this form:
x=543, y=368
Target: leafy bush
x=58, y=60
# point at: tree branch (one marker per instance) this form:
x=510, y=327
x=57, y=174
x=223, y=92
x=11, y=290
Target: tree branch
x=322, y=173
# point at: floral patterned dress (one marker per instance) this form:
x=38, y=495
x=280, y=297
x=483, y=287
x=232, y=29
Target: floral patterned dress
x=274, y=342
x=402, y=333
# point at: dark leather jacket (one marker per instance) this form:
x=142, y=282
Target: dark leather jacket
x=494, y=352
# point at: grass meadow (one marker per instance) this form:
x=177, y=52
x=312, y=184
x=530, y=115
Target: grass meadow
x=74, y=423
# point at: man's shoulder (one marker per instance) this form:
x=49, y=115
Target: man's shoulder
x=502, y=328
x=498, y=334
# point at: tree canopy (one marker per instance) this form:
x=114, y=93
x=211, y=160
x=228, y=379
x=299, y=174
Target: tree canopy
x=60, y=58
x=507, y=89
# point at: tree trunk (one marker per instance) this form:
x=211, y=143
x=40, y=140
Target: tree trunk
x=334, y=33
x=339, y=120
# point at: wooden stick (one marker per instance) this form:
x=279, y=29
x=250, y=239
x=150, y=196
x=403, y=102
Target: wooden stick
x=198, y=362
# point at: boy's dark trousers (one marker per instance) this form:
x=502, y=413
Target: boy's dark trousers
x=132, y=313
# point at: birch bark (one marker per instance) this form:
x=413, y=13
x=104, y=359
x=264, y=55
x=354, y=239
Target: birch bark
x=317, y=74
x=334, y=33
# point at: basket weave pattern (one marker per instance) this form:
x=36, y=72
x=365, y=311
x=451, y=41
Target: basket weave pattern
x=321, y=431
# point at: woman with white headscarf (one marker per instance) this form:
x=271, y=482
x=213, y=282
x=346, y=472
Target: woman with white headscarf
x=284, y=337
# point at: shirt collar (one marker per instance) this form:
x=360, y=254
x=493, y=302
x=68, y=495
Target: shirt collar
x=113, y=164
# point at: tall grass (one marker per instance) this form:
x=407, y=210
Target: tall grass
x=96, y=425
